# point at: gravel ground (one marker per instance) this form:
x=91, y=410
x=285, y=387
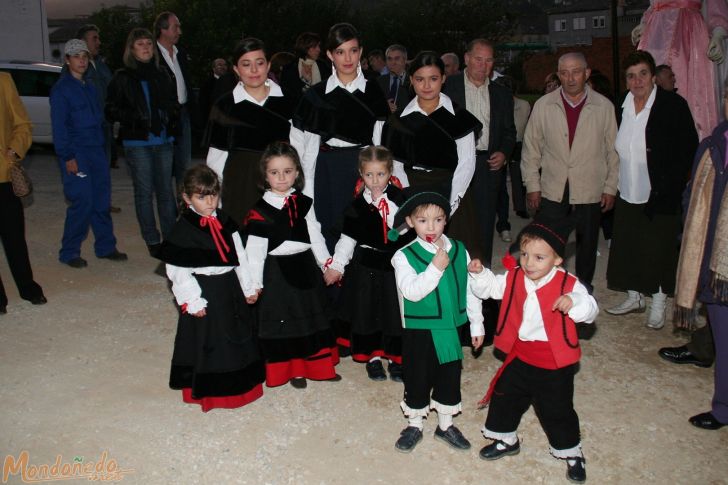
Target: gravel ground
x=86, y=374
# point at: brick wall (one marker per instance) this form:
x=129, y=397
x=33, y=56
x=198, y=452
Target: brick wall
x=598, y=55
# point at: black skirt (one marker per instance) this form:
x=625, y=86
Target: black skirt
x=240, y=180
x=370, y=305
x=644, y=252
x=217, y=355
x=293, y=312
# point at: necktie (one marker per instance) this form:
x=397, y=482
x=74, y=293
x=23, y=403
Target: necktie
x=393, y=88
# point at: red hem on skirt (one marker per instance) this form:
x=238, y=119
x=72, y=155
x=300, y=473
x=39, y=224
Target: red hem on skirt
x=344, y=342
x=318, y=367
x=223, y=402
x=397, y=359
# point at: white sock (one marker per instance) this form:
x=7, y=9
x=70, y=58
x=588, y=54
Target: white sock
x=633, y=295
x=444, y=421
x=416, y=421
x=510, y=440
x=374, y=358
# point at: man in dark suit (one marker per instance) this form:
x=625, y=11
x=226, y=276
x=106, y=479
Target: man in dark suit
x=167, y=30
x=492, y=104
x=396, y=85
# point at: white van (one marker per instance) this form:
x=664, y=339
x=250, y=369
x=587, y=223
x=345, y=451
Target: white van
x=34, y=81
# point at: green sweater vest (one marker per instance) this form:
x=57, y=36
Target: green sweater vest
x=444, y=309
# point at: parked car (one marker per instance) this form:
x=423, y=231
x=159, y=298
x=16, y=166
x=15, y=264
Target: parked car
x=34, y=81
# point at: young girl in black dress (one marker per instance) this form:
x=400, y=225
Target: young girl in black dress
x=286, y=253
x=368, y=301
x=207, y=265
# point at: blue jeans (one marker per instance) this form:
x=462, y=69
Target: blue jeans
x=151, y=173
x=182, y=147
x=90, y=198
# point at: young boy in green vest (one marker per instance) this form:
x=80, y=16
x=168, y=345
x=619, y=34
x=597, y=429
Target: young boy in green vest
x=432, y=284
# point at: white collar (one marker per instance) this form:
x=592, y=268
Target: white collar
x=214, y=213
x=485, y=84
x=367, y=194
x=572, y=103
x=431, y=248
x=360, y=82
x=240, y=94
x=629, y=100
x=414, y=106
x=165, y=51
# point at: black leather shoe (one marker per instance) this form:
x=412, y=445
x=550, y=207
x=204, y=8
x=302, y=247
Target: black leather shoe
x=681, y=355
x=395, y=371
x=706, y=421
x=375, y=371
x=299, y=382
x=344, y=351
x=77, y=263
x=153, y=249
x=576, y=472
x=38, y=300
x=336, y=378
x=408, y=439
x=499, y=449
x=523, y=214
x=453, y=437
x=115, y=255
x=3, y=309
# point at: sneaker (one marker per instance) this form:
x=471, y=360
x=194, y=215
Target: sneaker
x=77, y=262
x=499, y=449
x=577, y=472
x=656, y=319
x=408, y=439
x=375, y=371
x=299, y=382
x=395, y=371
x=506, y=236
x=628, y=306
x=453, y=437
x=115, y=255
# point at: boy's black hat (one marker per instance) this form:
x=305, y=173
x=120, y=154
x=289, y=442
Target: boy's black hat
x=415, y=200
x=554, y=231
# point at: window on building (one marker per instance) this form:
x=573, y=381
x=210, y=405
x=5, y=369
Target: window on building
x=579, y=23
x=560, y=25
x=599, y=22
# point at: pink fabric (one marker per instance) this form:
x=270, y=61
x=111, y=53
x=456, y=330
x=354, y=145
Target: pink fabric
x=676, y=34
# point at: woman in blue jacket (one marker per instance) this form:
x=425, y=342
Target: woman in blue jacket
x=78, y=136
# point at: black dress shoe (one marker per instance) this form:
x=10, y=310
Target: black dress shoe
x=523, y=214
x=576, y=472
x=115, y=255
x=336, y=378
x=408, y=439
x=375, y=371
x=453, y=437
x=299, y=382
x=706, y=421
x=3, y=309
x=153, y=249
x=77, y=262
x=499, y=449
x=681, y=355
x=38, y=300
x=395, y=371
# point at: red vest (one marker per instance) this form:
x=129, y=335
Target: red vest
x=560, y=329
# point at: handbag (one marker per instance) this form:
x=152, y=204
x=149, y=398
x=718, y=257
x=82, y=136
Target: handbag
x=22, y=185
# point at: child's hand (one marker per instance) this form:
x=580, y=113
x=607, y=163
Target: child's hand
x=252, y=299
x=441, y=259
x=475, y=266
x=563, y=304
x=331, y=276
x=199, y=314
x=477, y=342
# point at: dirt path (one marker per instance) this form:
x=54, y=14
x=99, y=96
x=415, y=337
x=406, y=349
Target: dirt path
x=87, y=374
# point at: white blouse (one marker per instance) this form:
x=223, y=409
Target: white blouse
x=634, y=179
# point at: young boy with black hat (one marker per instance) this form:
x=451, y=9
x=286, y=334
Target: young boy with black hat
x=536, y=330
x=432, y=285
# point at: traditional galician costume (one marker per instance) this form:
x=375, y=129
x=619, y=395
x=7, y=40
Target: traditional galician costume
x=206, y=264
x=434, y=304
x=332, y=123
x=286, y=253
x=239, y=130
x=368, y=304
x=542, y=350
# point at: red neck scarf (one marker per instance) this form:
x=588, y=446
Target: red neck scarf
x=216, y=233
x=384, y=211
x=290, y=204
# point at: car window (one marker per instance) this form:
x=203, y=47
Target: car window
x=33, y=83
